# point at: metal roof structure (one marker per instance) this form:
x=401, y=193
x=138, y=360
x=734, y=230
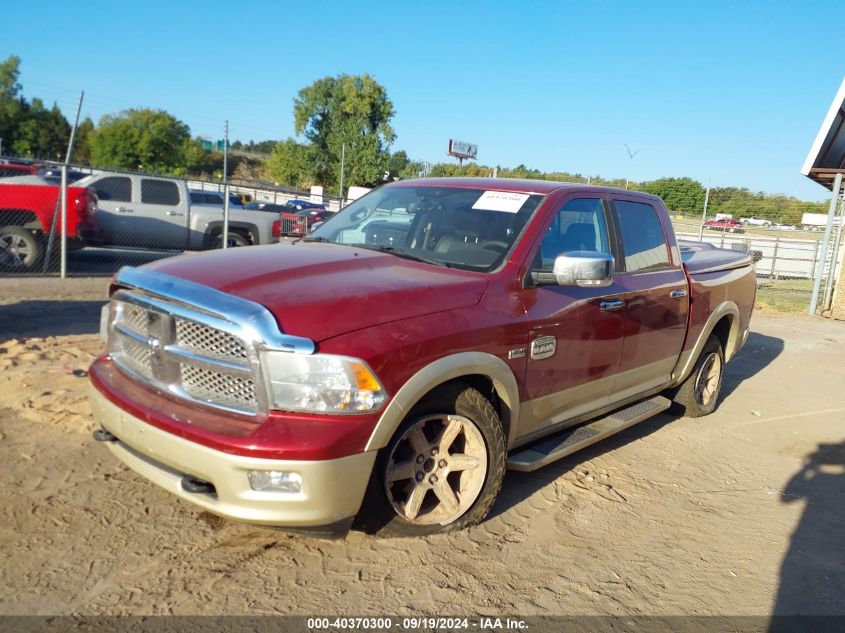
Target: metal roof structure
x=827, y=154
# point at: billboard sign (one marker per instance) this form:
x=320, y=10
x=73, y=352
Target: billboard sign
x=461, y=149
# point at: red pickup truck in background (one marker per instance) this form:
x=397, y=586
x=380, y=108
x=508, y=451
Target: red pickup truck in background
x=27, y=212
x=725, y=224
x=391, y=366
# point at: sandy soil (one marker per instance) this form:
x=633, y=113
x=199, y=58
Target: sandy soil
x=738, y=513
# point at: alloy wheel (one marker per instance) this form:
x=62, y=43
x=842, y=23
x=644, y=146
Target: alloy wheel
x=436, y=469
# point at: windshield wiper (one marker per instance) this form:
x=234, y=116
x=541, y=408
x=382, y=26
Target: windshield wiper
x=403, y=254
x=315, y=239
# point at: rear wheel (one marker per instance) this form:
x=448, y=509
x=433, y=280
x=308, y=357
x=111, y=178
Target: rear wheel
x=699, y=393
x=215, y=240
x=20, y=250
x=442, y=470
x=236, y=239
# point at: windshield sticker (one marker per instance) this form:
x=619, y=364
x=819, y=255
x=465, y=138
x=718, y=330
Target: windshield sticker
x=500, y=201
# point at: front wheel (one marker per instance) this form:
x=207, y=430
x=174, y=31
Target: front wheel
x=20, y=250
x=699, y=393
x=442, y=470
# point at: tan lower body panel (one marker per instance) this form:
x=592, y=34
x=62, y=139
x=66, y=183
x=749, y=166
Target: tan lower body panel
x=332, y=490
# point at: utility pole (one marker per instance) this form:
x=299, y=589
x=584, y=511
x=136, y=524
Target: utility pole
x=342, y=161
x=704, y=213
x=61, y=208
x=226, y=183
x=631, y=160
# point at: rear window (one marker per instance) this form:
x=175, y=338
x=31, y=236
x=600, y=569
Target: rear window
x=118, y=188
x=159, y=192
x=643, y=242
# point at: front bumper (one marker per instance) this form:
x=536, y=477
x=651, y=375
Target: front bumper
x=332, y=490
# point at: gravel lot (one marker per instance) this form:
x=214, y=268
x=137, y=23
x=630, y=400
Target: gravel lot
x=741, y=512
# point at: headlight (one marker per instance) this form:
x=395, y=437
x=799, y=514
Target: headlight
x=321, y=383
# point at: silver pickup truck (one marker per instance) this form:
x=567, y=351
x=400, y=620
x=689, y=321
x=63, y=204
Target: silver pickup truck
x=150, y=212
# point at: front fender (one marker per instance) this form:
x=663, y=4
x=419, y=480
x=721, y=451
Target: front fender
x=439, y=372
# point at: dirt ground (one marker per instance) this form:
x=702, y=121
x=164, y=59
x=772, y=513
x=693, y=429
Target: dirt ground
x=741, y=512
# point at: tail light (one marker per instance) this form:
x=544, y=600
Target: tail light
x=85, y=205
x=277, y=228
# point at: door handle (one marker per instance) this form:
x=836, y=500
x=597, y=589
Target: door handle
x=678, y=294
x=123, y=210
x=174, y=213
x=613, y=304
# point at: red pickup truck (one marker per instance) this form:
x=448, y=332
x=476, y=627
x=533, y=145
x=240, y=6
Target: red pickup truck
x=393, y=365
x=26, y=218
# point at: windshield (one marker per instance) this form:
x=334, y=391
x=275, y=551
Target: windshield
x=471, y=229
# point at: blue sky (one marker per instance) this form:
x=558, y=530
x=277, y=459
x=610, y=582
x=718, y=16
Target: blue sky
x=728, y=91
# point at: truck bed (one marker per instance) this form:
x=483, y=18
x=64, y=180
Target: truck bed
x=701, y=257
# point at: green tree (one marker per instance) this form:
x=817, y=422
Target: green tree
x=681, y=195
x=82, y=143
x=140, y=138
x=11, y=103
x=41, y=132
x=196, y=160
x=347, y=109
x=292, y=164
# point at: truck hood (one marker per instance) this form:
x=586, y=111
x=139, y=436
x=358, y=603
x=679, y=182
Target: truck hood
x=320, y=290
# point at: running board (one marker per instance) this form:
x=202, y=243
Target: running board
x=550, y=449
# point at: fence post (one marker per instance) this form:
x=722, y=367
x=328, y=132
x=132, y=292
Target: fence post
x=831, y=275
x=63, y=215
x=774, y=273
x=817, y=282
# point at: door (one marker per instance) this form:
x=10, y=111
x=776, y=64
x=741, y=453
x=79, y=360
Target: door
x=161, y=217
x=655, y=296
x=141, y=212
x=113, y=217
x=575, y=339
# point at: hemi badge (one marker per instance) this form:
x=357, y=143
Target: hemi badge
x=543, y=347
x=517, y=353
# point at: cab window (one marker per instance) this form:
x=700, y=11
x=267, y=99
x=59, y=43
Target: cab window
x=578, y=226
x=643, y=241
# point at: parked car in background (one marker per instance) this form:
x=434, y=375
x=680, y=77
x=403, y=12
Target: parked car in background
x=9, y=170
x=214, y=198
x=266, y=206
x=756, y=221
x=725, y=224
x=53, y=174
x=784, y=227
x=156, y=213
x=28, y=210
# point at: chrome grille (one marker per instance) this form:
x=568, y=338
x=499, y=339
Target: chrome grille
x=135, y=318
x=228, y=391
x=137, y=356
x=201, y=338
x=180, y=355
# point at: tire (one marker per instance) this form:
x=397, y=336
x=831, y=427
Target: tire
x=417, y=467
x=235, y=240
x=214, y=241
x=699, y=393
x=20, y=250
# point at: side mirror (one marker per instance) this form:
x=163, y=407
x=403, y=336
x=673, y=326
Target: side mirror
x=583, y=268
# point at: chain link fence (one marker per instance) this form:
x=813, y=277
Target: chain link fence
x=116, y=218
x=787, y=261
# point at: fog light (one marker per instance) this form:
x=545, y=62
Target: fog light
x=274, y=481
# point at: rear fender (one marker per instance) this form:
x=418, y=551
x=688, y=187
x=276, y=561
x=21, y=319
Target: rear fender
x=687, y=359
